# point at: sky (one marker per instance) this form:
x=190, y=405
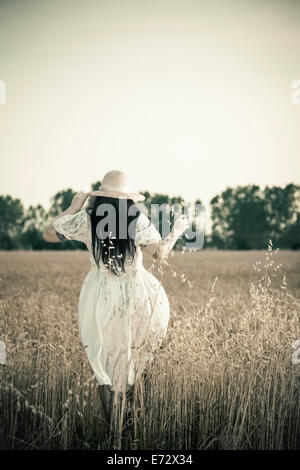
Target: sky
x=188, y=97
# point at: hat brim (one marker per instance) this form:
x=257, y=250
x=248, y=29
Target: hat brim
x=118, y=195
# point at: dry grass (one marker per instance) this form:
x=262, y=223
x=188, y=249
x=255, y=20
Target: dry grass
x=224, y=378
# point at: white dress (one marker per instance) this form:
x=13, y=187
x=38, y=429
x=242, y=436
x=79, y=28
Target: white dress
x=122, y=320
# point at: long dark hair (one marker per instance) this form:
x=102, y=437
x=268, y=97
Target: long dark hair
x=113, y=249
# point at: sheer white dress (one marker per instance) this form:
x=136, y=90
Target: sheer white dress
x=122, y=320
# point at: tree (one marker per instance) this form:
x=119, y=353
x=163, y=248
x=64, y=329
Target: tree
x=291, y=237
x=247, y=217
x=11, y=222
x=34, y=222
x=60, y=202
x=282, y=205
x=240, y=219
x=95, y=186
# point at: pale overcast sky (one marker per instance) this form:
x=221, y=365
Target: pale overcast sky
x=188, y=97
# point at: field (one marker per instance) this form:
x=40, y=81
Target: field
x=223, y=379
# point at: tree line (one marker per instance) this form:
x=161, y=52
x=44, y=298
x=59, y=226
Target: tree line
x=243, y=218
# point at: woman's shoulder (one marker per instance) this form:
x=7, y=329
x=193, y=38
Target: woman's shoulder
x=72, y=226
x=146, y=232
x=142, y=222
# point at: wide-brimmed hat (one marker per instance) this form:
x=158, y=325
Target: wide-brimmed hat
x=115, y=183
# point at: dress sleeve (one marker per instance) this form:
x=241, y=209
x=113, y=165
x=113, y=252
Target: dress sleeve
x=146, y=233
x=72, y=226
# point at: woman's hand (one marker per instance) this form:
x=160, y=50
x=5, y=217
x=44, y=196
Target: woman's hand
x=78, y=201
x=49, y=233
x=180, y=225
x=163, y=248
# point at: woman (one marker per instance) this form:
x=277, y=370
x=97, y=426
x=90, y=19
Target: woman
x=123, y=310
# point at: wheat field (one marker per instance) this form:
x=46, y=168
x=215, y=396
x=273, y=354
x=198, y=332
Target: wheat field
x=223, y=378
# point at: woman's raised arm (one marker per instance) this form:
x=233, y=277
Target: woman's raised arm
x=161, y=250
x=49, y=233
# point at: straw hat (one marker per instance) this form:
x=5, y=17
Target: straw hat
x=116, y=184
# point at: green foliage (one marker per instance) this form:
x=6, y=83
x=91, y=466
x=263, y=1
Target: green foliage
x=61, y=201
x=246, y=217
x=243, y=218
x=281, y=208
x=11, y=222
x=291, y=236
x=95, y=186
